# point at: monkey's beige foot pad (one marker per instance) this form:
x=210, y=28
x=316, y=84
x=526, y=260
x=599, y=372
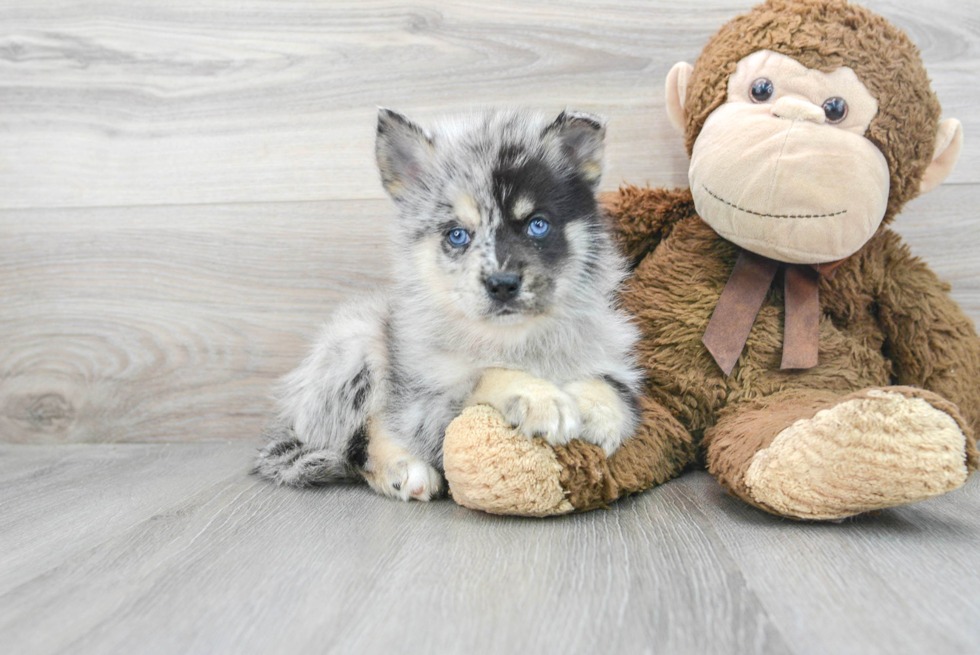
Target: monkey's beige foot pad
x=875, y=449
x=493, y=468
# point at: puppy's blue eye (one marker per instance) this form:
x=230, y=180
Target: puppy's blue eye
x=458, y=237
x=538, y=227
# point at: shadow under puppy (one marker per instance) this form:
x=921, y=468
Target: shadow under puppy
x=503, y=293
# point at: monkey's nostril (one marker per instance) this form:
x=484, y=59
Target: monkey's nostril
x=503, y=286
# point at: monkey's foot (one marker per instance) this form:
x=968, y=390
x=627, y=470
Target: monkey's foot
x=875, y=449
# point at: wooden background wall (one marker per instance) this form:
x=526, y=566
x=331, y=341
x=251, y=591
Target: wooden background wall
x=188, y=188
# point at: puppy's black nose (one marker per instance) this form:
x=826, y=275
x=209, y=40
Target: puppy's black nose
x=503, y=286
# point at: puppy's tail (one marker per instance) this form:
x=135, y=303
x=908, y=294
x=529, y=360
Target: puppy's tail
x=288, y=461
x=320, y=435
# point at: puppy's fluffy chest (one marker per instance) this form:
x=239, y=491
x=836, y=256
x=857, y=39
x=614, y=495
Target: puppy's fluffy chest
x=455, y=355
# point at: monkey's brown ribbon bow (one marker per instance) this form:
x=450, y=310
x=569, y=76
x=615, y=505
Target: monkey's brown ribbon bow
x=742, y=298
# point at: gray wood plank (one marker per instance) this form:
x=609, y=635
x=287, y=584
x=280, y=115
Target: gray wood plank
x=230, y=564
x=141, y=324
x=900, y=581
x=235, y=565
x=165, y=102
x=70, y=499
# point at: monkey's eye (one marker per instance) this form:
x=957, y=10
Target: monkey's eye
x=835, y=109
x=761, y=89
x=457, y=237
x=538, y=227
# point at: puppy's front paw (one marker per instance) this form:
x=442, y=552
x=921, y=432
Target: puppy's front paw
x=406, y=478
x=543, y=410
x=606, y=418
x=536, y=407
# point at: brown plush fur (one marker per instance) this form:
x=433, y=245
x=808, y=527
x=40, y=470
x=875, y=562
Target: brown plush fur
x=753, y=428
x=658, y=452
x=887, y=319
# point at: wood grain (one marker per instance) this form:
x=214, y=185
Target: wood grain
x=150, y=324
x=109, y=104
x=171, y=548
x=877, y=580
x=142, y=324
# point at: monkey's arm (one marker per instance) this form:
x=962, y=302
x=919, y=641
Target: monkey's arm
x=931, y=341
x=641, y=217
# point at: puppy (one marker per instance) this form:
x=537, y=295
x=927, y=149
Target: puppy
x=503, y=292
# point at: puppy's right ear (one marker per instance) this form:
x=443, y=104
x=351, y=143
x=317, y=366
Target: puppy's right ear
x=582, y=139
x=404, y=152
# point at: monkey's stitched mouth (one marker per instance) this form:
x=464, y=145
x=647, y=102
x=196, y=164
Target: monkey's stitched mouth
x=765, y=215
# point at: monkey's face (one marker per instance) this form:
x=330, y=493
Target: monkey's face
x=783, y=168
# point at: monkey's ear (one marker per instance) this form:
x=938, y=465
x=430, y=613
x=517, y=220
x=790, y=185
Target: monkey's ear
x=582, y=138
x=404, y=151
x=949, y=142
x=675, y=91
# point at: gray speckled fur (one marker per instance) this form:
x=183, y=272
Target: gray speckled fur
x=410, y=355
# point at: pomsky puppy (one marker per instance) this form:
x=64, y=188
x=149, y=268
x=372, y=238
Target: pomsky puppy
x=503, y=292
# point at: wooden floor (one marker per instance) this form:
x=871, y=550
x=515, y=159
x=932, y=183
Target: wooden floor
x=149, y=548
x=188, y=188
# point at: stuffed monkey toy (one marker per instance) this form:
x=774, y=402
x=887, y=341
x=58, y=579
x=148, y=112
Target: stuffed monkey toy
x=791, y=342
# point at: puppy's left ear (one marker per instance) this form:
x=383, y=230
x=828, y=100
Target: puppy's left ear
x=582, y=140
x=404, y=152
